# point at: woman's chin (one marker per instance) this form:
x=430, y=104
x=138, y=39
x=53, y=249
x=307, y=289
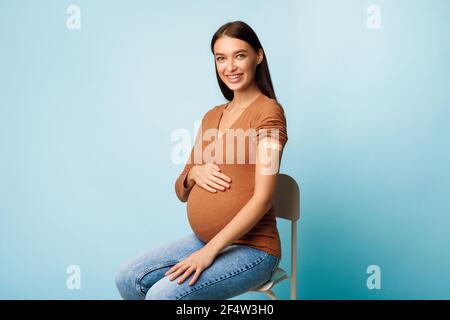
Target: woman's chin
x=236, y=86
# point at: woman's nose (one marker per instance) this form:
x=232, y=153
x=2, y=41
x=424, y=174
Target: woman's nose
x=231, y=66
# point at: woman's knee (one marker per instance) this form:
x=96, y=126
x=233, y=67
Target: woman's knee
x=126, y=283
x=165, y=289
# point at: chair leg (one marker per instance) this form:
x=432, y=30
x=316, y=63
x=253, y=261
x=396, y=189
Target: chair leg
x=294, y=261
x=271, y=294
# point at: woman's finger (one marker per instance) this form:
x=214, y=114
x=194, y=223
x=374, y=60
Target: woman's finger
x=186, y=274
x=208, y=188
x=195, y=277
x=178, y=272
x=215, y=185
x=219, y=181
x=175, y=267
x=221, y=176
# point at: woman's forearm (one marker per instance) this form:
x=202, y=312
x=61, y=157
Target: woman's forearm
x=242, y=222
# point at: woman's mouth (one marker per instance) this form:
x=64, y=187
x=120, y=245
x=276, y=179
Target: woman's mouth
x=234, y=78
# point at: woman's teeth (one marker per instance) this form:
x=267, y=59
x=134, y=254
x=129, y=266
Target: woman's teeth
x=234, y=77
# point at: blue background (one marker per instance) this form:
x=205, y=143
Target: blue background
x=86, y=118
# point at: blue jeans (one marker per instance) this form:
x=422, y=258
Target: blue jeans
x=237, y=269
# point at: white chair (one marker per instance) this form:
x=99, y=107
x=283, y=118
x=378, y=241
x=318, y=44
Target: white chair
x=286, y=201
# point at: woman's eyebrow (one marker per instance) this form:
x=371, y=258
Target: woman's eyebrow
x=237, y=51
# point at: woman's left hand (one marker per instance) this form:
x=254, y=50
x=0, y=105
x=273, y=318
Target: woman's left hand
x=196, y=262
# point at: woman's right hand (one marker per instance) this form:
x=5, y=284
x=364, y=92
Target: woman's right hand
x=209, y=177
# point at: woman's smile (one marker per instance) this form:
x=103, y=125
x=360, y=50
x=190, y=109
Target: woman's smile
x=234, y=78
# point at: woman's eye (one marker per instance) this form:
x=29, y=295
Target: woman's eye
x=241, y=56
x=219, y=58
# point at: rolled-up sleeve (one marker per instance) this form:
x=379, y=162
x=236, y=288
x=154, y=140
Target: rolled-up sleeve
x=271, y=122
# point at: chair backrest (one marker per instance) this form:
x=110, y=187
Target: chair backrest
x=286, y=200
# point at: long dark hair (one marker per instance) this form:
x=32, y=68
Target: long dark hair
x=241, y=30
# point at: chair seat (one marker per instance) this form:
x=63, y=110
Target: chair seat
x=278, y=276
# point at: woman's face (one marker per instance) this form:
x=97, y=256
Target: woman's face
x=236, y=62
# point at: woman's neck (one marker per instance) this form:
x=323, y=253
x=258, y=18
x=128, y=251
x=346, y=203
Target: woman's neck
x=242, y=98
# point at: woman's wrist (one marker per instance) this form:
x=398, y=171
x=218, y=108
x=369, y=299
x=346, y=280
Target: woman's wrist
x=189, y=178
x=213, y=247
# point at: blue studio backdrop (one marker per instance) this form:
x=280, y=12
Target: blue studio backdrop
x=91, y=92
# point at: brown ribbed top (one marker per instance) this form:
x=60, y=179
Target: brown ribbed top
x=209, y=213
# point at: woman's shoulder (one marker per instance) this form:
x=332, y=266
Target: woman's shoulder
x=214, y=111
x=269, y=106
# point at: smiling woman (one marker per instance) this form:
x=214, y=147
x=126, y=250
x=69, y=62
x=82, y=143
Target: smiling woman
x=235, y=244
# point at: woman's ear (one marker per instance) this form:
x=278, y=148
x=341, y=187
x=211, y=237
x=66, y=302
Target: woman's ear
x=259, y=56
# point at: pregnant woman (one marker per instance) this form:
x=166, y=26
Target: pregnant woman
x=228, y=183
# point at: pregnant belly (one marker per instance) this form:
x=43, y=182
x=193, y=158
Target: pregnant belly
x=208, y=213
